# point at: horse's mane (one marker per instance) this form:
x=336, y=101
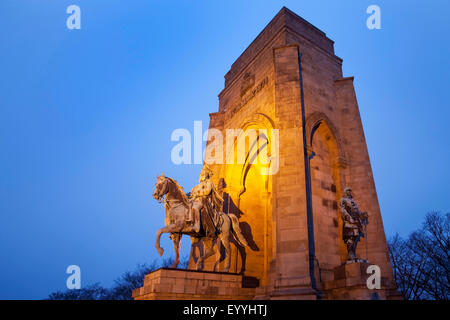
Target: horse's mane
x=180, y=190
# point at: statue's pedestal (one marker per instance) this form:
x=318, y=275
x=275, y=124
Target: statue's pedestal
x=350, y=283
x=180, y=284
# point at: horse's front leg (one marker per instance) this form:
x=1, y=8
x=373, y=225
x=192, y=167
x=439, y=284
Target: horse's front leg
x=167, y=229
x=176, y=238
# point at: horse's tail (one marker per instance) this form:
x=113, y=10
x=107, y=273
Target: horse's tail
x=237, y=231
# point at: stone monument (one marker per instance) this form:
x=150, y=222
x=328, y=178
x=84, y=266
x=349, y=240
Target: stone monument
x=302, y=241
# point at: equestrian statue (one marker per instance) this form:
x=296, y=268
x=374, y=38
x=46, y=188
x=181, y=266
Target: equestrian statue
x=200, y=216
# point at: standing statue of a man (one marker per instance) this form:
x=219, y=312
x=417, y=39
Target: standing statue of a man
x=207, y=202
x=353, y=221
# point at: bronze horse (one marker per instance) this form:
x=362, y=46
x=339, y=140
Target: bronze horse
x=176, y=204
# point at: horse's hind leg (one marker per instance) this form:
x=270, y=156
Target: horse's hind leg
x=176, y=238
x=216, y=265
x=224, y=238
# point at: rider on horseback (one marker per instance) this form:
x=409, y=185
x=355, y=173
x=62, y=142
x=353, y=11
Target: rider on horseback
x=205, y=205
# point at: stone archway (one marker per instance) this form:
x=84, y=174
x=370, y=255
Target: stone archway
x=250, y=189
x=327, y=181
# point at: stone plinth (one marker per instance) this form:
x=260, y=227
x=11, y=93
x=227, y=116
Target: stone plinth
x=180, y=284
x=350, y=284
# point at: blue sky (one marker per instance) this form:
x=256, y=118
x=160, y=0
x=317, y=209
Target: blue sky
x=86, y=117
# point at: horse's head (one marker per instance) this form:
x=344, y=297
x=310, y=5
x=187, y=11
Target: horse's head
x=161, y=187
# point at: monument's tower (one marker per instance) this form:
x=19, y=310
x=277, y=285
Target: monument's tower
x=290, y=79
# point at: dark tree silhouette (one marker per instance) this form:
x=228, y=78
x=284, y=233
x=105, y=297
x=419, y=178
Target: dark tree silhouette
x=122, y=288
x=421, y=264
x=91, y=292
